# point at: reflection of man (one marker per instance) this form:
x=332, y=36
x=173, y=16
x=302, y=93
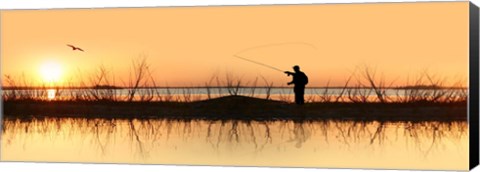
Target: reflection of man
x=300, y=80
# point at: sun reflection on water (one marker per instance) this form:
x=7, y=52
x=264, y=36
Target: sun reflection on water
x=51, y=94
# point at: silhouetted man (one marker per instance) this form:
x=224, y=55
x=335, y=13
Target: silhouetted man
x=300, y=80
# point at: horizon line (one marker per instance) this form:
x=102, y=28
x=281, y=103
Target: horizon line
x=216, y=87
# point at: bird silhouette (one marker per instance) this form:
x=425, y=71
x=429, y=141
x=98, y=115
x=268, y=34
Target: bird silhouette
x=75, y=48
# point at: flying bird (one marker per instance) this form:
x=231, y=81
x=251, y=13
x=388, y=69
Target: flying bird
x=75, y=48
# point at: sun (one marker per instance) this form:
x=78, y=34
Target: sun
x=51, y=72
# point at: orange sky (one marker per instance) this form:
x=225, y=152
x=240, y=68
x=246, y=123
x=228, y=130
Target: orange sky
x=187, y=45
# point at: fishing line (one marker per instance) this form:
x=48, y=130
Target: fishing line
x=270, y=45
x=277, y=44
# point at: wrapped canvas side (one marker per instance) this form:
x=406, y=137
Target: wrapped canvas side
x=474, y=94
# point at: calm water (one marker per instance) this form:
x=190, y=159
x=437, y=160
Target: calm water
x=327, y=143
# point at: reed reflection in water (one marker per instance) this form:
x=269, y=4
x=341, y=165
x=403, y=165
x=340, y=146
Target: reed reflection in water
x=319, y=143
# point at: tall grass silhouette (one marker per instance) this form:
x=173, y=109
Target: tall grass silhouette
x=362, y=86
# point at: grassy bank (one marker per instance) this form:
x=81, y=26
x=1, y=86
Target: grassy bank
x=238, y=107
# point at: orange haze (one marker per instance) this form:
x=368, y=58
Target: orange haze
x=185, y=46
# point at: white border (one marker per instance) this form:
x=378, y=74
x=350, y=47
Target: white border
x=76, y=167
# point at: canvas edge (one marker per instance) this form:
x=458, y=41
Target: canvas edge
x=1, y=87
x=473, y=102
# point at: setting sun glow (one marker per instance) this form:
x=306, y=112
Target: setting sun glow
x=51, y=72
x=378, y=35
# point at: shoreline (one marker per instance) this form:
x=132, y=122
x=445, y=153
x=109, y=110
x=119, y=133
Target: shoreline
x=219, y=87
x=237, y=108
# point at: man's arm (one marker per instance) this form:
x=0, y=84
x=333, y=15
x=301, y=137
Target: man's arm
x=288, y=73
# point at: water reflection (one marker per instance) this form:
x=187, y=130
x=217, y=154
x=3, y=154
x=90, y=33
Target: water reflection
x=233, y=142
x=51, y=94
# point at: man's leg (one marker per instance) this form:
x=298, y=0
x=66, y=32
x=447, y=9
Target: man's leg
x=295, y=90
x=298, y=95
x=302, y=93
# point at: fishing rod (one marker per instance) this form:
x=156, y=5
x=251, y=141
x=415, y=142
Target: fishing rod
x=258, y=63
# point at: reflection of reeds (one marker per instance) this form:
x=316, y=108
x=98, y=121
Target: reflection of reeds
x=144, y=135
